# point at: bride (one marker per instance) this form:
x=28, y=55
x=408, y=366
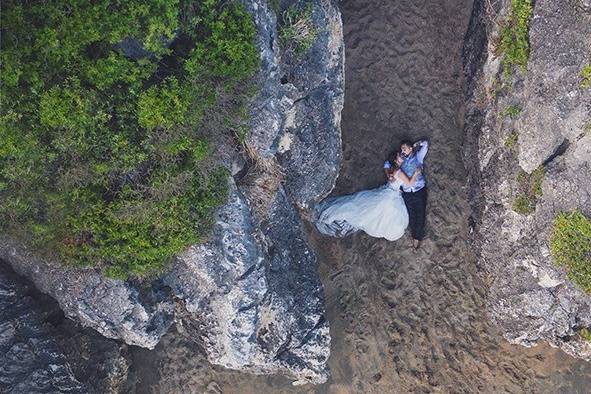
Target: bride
x=379, y=212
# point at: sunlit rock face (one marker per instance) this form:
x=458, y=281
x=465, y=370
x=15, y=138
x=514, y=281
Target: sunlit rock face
x=530, y=298
x=255, y=306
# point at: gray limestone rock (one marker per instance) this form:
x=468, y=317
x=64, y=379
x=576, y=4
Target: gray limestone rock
x=530, y=298
x=136, y=315
x=254, y=295
x=296, y=117
x=309, y=145
x=556, y=108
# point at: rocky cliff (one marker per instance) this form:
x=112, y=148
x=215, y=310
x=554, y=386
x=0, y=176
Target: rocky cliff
x=253, y=289
x=138, y=315
x=528, y=151
x=250, y=296
x=41, y=352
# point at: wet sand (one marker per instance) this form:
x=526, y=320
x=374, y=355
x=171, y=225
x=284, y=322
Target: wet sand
x=401, y=321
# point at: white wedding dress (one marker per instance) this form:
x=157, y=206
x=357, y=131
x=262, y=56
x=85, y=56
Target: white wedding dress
x=379, y=212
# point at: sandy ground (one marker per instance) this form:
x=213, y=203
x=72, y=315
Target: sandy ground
x=401, y=321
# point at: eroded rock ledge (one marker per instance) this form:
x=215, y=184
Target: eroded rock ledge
x=250, y=296
x=529, y=298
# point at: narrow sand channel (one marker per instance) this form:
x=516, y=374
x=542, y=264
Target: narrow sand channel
x=401, y=321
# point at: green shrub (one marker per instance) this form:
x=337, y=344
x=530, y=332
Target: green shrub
x=586, y=76
x=511, y=140
x=524, y=205
x=163, y=105
x=275, y=5
x=296, y=30
x=571, y=247
x=529, y=190
x=585, y=333
x=106, y=160
x=537, y=176
x=515, y=35
x=511, y=111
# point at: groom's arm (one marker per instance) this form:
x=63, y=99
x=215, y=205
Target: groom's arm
x=422, y=152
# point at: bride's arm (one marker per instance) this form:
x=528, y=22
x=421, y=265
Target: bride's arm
x=406, y=180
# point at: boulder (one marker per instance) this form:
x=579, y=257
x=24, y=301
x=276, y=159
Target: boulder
x=250, y=295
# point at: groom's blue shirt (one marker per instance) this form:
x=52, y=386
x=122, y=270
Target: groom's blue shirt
x=411, y=163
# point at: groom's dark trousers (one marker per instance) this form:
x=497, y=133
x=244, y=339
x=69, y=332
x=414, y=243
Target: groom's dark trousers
x=416, y=204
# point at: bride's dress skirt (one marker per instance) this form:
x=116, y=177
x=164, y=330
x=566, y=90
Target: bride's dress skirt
x=379, y=212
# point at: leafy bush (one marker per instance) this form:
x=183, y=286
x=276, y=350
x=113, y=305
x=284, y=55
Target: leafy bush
x=571, y=247
x=296, y=31
x=511, y=111
x=107, y=160
x=524, y=205
x=515, y=35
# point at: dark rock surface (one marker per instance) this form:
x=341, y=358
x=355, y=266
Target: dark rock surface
x=42, y=352
x=530, y=299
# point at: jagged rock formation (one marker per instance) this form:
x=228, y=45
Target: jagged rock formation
x=40, y=352
x=251, y=295
x=255, y=295
x=253, y=289
x=530, y=299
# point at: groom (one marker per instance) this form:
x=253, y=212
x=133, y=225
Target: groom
x=415, y=196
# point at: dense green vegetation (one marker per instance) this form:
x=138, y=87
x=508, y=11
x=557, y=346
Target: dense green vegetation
x=515, y=35
x=529, y=190
x=571, y=247
x=107, y=160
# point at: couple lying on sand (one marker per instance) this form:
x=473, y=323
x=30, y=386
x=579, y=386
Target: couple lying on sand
x=386, y=211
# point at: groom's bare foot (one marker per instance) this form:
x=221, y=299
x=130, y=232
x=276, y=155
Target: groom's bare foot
x=416, y=243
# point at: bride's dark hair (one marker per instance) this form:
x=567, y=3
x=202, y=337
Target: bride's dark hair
x=394, y=166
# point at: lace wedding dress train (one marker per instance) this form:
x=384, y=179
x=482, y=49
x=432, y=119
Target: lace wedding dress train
x=379, y=212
